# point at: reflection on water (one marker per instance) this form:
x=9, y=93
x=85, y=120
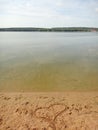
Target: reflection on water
x=35, y=61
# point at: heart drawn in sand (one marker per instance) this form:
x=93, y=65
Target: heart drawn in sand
x=49, y=114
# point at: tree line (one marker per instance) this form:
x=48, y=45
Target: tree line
x=56, y=29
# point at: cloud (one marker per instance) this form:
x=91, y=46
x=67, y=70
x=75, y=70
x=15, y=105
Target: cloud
x=48, y=13
x=96, y=9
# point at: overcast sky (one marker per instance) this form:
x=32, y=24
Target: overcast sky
x=48, y=13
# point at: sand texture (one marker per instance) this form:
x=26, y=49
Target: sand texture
x=49, y=111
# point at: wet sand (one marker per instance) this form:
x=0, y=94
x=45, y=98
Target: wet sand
x=49, y=111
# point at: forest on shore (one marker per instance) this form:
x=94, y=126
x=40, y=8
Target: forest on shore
x=56, y=29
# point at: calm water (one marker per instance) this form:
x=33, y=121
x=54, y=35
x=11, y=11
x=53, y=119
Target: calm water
x=38, y=61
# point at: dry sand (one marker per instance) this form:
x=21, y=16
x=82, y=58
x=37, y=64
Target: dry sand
x=49, y=111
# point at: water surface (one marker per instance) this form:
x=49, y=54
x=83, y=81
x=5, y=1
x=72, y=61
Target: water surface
x=46, y=61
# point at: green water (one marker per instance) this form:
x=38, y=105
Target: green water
x=35, y=61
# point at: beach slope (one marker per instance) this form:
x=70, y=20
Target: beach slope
x=49, y=111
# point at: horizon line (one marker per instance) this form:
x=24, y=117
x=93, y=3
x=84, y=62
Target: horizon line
x=52, y=27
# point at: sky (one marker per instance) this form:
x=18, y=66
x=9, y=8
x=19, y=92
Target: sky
x=49, y=13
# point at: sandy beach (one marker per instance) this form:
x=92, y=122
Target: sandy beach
x=49, y=111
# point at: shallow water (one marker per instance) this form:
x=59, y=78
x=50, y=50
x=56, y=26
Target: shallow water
x=43, y=61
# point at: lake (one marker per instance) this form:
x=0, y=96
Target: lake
x=48, y=61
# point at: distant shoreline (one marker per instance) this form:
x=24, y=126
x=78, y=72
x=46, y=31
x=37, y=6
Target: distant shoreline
x=58, y=29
